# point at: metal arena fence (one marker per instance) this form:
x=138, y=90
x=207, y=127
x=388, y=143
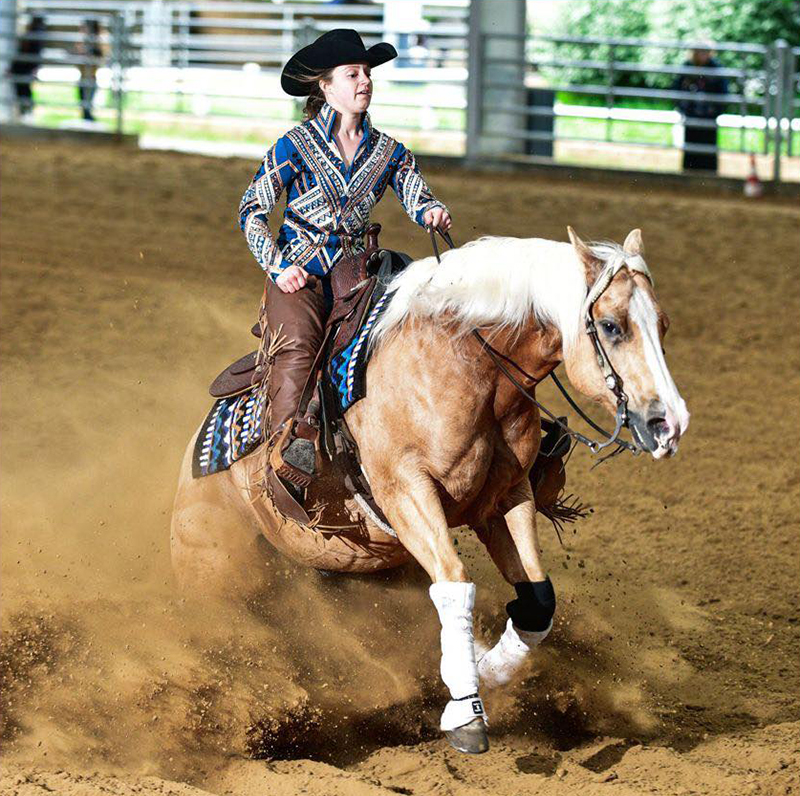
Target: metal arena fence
x=220, y=61
x=516, y=98
x=211, y=70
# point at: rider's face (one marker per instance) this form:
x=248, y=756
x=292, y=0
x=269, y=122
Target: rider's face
x=349, y=89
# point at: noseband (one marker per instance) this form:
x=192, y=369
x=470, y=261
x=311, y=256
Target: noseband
x=613, y=380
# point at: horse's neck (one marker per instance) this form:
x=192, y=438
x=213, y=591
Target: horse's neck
x=535, y=349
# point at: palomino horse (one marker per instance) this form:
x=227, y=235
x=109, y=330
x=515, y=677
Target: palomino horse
x=452, y=442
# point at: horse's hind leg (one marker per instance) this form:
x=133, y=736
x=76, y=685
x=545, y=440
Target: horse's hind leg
x=215, y=546
x=415, y=512
x=513, y=543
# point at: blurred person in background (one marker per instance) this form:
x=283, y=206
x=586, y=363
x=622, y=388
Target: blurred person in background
x=700, y=115
x=90, y=51
x=334, y=167
x=23, y=67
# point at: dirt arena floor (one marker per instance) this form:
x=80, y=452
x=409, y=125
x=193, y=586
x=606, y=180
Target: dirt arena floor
x=673, y=667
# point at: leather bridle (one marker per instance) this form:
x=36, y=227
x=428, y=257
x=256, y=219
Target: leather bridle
x=634, y=263
x=612, y=379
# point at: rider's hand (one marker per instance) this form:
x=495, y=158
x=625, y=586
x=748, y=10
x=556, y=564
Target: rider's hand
x=437, y=217
x=292, y=279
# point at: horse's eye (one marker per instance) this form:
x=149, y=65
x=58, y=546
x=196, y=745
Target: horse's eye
x=610, y=328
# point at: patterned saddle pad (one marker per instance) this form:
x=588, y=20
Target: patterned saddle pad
x=232, y=429
x=347, y=370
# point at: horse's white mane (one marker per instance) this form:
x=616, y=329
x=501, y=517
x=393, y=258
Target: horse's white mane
x=498, y=282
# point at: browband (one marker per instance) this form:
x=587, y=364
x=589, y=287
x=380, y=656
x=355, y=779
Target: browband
x=634, y=262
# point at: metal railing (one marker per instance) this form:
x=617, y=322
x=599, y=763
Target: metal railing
x=219, y=62
x=538, y=91
x=209, y=68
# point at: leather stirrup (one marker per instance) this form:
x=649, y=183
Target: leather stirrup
x=282, y=468
x=284, y=502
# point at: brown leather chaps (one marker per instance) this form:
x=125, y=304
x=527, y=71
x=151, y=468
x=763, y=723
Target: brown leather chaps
x=301, y=317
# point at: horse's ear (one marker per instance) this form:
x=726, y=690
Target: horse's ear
x=633, y=243
x=591, y=264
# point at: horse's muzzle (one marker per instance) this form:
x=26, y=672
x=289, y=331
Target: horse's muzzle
x=657, y=431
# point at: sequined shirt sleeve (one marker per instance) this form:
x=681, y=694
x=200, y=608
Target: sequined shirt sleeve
x=411, y=188
x=276, y=173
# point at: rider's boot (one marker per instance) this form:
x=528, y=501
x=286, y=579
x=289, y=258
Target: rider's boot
x=301, y=455
x=292, y=467
x=294, y=456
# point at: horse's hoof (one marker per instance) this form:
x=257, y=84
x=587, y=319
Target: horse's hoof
x=471, y=738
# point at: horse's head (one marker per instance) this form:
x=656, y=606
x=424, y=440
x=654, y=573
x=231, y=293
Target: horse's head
x=630, y=328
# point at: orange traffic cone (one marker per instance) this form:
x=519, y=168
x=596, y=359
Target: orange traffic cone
x=752, y=185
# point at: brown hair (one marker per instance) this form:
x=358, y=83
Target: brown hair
x=316, y=99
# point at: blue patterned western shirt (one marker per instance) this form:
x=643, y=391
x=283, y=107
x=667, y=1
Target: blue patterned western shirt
x=328, y=204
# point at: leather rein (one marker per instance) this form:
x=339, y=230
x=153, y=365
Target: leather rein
x=612, y=379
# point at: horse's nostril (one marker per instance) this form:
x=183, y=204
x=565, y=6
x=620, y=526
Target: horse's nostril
x=658, y=426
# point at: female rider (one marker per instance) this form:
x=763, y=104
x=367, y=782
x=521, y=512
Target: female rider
x=335, y=167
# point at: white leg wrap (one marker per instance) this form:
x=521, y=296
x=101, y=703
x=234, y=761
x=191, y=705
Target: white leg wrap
x=458, y=712
x=499, y=665
x=454, y=603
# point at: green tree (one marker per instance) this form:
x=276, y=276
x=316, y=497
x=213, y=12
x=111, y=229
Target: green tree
x=617, y=19
x=749, y=21
x=753, y=21
x=743, y=21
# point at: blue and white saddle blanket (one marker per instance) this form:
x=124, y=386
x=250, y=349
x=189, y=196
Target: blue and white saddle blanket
x=347, y=371
x=233, y=428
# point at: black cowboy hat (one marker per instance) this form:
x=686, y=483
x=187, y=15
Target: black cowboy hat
x=334, y=48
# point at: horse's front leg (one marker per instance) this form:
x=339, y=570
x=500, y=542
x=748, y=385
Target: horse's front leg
x=413, y=508
x=513, y=543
